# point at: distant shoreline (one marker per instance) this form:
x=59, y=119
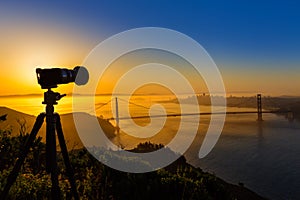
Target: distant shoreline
x=20, y=95
x=149, y=94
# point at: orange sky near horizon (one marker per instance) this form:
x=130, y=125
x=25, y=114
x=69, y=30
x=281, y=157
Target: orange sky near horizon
x=18, y=76
x=27, y=47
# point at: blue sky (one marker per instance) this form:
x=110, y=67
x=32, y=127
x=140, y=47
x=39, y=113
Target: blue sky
x=243, y=29
x=239, y=35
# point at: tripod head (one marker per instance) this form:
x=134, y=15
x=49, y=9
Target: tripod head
x=51, y=98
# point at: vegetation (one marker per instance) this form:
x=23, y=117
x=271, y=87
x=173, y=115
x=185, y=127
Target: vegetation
x=97, y=181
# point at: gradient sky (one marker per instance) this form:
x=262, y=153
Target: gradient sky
x=255, y=44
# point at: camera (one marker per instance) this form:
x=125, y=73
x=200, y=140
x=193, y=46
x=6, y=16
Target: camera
x=50, y=78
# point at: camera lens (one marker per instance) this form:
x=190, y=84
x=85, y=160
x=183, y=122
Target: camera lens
x=82, y=75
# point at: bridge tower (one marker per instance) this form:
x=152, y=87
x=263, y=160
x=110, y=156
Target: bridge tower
x=117, y=116
x=259, y=108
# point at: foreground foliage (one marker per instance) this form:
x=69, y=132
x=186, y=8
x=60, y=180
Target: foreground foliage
x=97, y=181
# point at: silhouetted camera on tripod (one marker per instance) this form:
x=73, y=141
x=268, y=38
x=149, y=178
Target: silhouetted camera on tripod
x=50, y=78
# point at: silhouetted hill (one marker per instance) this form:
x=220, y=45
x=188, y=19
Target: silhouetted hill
x=15, y=119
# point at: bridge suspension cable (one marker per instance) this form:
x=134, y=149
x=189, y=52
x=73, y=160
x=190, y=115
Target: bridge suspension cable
x=253, y=100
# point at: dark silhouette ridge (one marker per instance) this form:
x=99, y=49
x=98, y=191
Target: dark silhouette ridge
x=14, y=118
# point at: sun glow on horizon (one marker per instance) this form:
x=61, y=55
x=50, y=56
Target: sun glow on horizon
x=25, y=48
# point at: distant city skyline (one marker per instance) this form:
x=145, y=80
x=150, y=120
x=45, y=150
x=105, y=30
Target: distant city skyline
x=256, y=45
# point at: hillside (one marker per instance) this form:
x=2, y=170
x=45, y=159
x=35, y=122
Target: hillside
x=17, y=119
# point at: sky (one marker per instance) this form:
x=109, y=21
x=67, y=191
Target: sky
x=255, y=44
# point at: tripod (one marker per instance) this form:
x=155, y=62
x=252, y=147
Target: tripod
x=53, y=125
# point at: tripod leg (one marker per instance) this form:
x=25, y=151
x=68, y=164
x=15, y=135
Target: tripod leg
x=15, y=171
x=51, y=161
x=64, y=151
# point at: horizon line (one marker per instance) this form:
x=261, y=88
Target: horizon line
x=228, y=94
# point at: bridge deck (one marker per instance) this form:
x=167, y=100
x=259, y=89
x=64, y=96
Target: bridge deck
x=193, y=114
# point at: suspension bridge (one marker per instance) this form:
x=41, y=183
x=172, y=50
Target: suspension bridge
x=259, y=110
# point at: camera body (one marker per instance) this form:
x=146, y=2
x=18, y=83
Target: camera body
x=50, y=78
